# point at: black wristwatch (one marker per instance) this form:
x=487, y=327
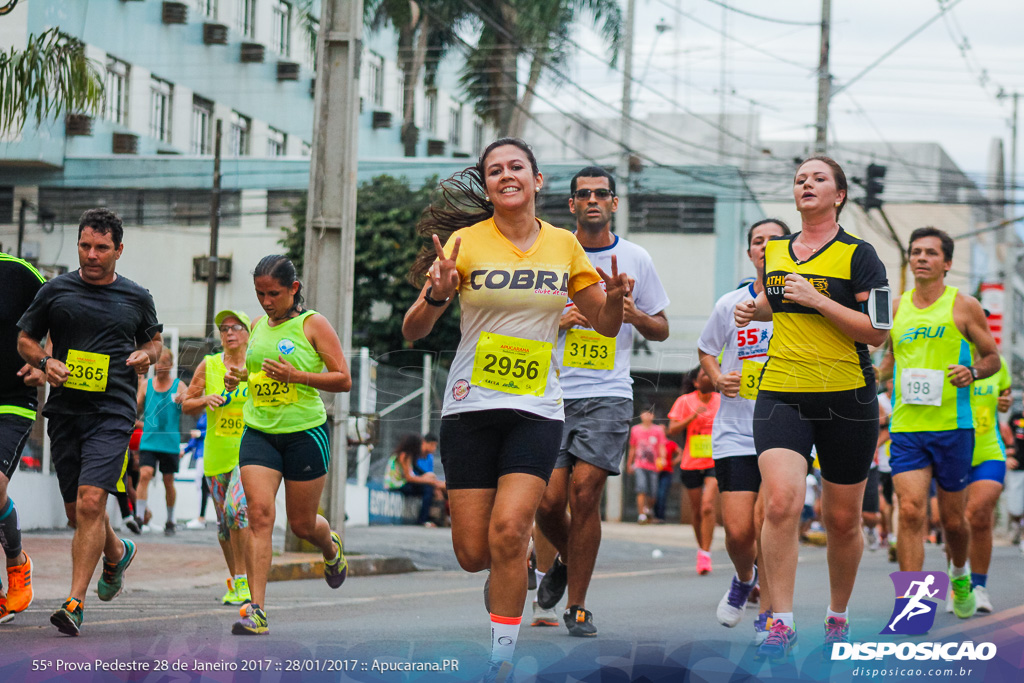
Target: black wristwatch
x=432, y=301
x=42, y=363
x=974, y=372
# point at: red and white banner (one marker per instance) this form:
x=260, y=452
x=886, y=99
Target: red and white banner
x=992, y=295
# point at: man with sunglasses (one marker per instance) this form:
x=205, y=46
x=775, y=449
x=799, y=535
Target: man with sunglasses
x=598, y=394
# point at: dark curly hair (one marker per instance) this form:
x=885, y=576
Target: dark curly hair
x=104, y=222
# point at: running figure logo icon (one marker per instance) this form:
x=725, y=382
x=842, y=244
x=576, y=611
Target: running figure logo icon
x=917, y=595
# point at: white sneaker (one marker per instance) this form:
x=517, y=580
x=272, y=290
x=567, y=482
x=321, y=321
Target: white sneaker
x=544, y=617
x=982, y=599
x=146, y=528
x=734, y=602
x=196, y=524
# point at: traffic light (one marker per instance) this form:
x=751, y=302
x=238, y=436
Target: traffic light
x=873, y=187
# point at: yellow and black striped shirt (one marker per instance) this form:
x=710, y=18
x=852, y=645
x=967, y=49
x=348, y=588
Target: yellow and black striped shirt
x=808, y=353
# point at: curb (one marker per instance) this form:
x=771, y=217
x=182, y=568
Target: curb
x=358, y=565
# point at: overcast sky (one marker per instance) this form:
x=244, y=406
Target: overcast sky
x=930, y=90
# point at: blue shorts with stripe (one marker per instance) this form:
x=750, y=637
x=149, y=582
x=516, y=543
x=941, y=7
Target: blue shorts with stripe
x=948, y=453
x=298, y=456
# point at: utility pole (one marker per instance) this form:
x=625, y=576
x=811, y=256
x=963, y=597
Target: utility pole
x=211, y=277
x=331, y=211
x=824, y=81
x=1013, y=247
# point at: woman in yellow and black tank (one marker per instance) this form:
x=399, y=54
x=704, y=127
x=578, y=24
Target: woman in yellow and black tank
x=502, y=418
x=817, y=390
x=293, y=354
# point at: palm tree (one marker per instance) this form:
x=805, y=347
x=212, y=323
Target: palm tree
x=51, y=75
x=538, y=28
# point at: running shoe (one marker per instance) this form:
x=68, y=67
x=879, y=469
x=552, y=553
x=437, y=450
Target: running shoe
x=132, y=524
x=982, y=599
x=68, y=619
x=231, y=597
x=544, y=617
x=641, y=518
x=169, y=528
x=837, y=630
x=499, y=672
x=779, y=644
x=949, y=601
x=871, y=538
x=552, y=586
x=242, y=591
x=732, y=604
x=336, y=570
x=1017, y=532
x=252, y=623
x=703, y=563
x=580, y=622
x=7, y=615
x=19, y=586
x=964, y=601
x=762, y=625
x=892, y=552
x=112, y=580
x=196, y=524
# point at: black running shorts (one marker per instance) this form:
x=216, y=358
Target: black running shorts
x=480, y=446
x=738, y=473
x=843, y=425
x=298, y=456
x=167, y=462
x=14, y=431
x=89, y=450
x=871, y=492
x=694, y=479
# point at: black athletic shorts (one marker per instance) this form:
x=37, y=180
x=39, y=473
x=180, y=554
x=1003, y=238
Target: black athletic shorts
x=298, y=456
x=842, y=424
x=738, y=473
x=89, y=450
x=168, y=462
x=694, y=479
x=871, y=491
x=885, y=479
x=479, y=446
x=14, y=431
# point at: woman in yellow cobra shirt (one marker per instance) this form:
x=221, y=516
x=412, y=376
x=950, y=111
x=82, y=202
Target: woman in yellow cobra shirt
x=286, y=436
x=502, y=418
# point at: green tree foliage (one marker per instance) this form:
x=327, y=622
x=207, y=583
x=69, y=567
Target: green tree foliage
x=387, y=210
x=49, y=76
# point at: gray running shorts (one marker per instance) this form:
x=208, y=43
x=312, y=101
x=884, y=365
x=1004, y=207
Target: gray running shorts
x=596, y=431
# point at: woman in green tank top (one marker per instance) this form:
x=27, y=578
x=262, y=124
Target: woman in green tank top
x=293, y=354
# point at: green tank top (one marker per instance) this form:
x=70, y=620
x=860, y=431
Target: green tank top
x=277, y=407
x=225, y=423
x=394, y=475
x=988, y=443
x=926, y=342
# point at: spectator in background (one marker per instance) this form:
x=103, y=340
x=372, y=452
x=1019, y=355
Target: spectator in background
x=403, y=474
x=646, y=446
x=665, y=466
x=428, y=451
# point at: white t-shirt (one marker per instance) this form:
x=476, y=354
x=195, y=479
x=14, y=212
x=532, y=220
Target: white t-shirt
x=882, y=454
x=511, y=303
x=649, y=296
x=733, y=433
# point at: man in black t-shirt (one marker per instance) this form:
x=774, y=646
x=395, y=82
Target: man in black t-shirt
x=104, y=333
x=1014, y=482
x=18, y=382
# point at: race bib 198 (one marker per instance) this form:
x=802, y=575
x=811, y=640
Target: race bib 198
x=264, y=391
x=511, y=364
x=87, y=371
x=588, y=349
x=921, y=387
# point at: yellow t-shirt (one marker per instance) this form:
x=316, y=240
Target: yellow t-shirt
x=511, y=304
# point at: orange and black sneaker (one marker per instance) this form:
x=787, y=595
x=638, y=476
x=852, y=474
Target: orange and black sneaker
x=580, y=622
x=68, y=619
x=5, y=614
x=19, y=586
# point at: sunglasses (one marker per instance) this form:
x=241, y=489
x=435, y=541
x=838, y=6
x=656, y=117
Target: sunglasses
x=237, y=327
x=600, y=194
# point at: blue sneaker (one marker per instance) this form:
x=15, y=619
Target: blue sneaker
x=336, y=570
x=111, y=582
x=762, y=625
x=732, y=604
x=780, y=643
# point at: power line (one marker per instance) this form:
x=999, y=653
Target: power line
x=763, y=18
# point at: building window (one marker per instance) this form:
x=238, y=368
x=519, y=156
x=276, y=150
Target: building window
x=207, y=8
x=478, y=136
x=311, y=31
x=116, y=90
x=202, y=125
x=277, y=142
x=431, y=113
x=455, y=127
x=281, y=40
x=375, y=80
x=160, y=109
x=671, y=213
x=307, y=149
x=241, y=130
x=246, y=18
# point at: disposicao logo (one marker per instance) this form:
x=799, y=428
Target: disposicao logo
x=917, y=596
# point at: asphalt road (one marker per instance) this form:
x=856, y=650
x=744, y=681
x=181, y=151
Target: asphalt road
x=655, y=615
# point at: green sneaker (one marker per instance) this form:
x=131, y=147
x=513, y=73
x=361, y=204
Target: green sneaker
x=68, y=619
x=964, y=602
x=336, y=570
x=242, y=591
x=112, y=580
x=231, y=597
x=252, y=623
